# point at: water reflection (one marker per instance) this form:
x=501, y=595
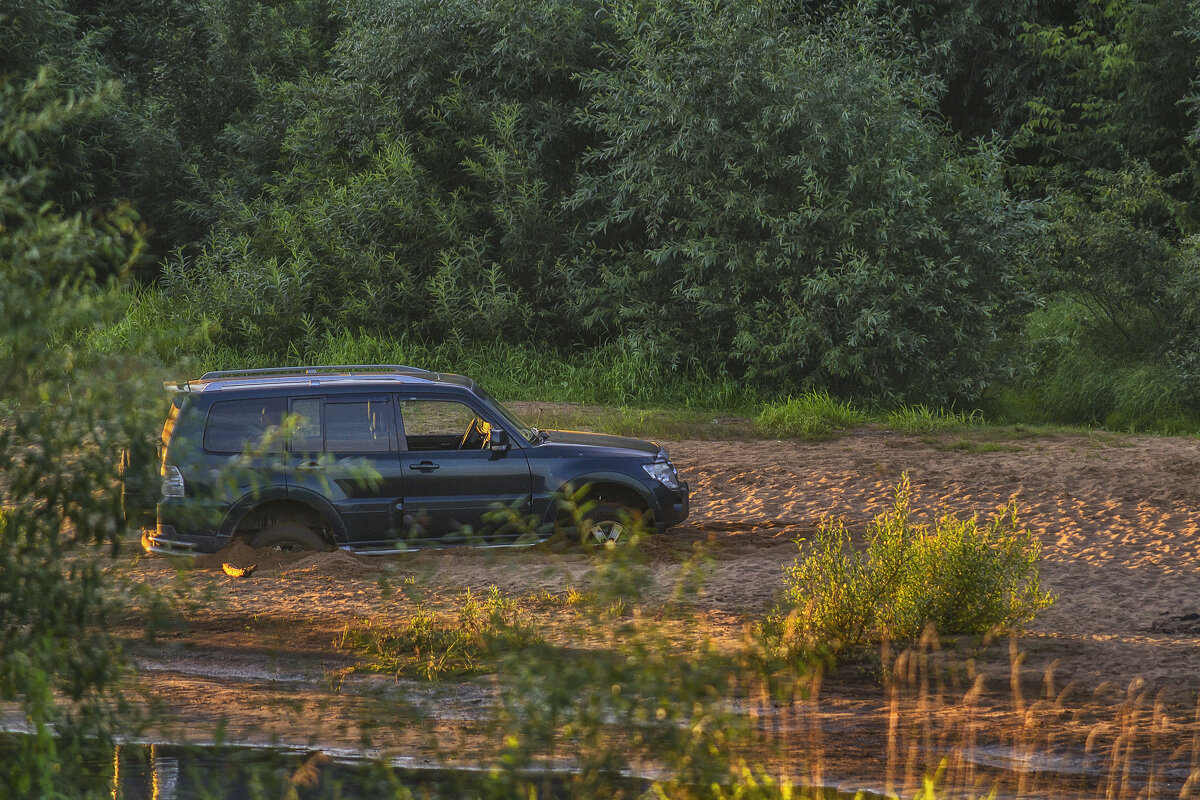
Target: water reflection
x=173, y=772
x=182, y=772
x=143, y=772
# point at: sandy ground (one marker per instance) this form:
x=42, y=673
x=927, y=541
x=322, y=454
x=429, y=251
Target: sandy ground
x=1118, y=518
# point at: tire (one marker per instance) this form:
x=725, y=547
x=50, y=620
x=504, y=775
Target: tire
x=289, y=537
x=608, y=523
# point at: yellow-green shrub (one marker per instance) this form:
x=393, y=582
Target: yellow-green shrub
x=963, y=576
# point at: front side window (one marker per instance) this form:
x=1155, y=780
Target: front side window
x=442, y=425
x=235, y=426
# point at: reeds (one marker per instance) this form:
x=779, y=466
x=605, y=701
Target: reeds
x=947, y=727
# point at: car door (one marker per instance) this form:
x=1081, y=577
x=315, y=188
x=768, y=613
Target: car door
x=344, y=449
x=453, y=483
x=241, y=461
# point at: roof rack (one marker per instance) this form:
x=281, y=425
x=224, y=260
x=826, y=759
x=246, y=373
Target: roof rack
x=242, y=373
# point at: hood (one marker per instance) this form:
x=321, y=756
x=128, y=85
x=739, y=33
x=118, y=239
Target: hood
x=580, y=438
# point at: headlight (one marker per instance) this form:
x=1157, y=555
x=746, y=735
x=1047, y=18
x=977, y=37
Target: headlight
x=172, y=482
x=663, y=472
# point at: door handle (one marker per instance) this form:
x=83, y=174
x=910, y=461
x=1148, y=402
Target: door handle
x=310, y=465
x=424, y=466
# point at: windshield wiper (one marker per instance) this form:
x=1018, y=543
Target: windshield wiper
x=539, y=436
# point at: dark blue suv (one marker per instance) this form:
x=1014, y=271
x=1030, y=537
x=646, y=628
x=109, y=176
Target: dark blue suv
x=372, y=458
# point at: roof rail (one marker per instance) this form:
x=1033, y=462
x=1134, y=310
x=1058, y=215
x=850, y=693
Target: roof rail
x=241, y=373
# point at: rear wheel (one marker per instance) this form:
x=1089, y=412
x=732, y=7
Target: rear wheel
x=290, y=537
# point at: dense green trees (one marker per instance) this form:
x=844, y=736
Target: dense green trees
x=725, y=186
x=894, y=201
x=774, y=192
x=1105, y=139
x=420, y=190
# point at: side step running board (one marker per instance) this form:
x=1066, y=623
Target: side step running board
x=392, y=551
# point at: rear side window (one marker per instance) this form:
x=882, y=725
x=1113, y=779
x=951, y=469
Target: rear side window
x=235, y=425
x=360, y=427
x=307, y=436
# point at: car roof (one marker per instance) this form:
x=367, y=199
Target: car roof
x=377, y=375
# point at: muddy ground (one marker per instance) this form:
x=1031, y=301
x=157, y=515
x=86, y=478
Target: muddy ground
x=1105, y=697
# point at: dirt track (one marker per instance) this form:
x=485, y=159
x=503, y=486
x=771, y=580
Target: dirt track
x=1119, y=519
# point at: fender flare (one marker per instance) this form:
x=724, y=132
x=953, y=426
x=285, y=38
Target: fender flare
x=319, y=505
x=618, y=478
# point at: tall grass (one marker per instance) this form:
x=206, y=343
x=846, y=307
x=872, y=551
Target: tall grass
x=1080, y=375
x=921, y=418
x=812, y=415
x=1076, y=382
x=612, y=375
x=817, y=415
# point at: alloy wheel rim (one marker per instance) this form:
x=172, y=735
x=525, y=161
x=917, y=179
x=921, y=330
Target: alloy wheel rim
x=608, y=531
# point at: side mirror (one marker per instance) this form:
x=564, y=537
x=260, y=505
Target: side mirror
x=500, y=443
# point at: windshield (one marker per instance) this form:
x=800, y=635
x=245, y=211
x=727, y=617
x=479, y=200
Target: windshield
x=510, y=419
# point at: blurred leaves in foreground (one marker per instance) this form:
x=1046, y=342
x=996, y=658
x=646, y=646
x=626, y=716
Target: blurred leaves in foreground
x=66, y=418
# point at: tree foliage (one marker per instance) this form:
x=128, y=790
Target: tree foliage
x=1105, y=139
x=868, y=198
x=777, y=191
x=728, y=184
x=422, y=191
x=1109, y=90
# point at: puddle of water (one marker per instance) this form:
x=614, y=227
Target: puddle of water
x=135, y=771
x=196, y=772
x=1089, y=768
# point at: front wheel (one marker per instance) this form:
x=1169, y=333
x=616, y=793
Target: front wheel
x=290, y=537
x=608, y=523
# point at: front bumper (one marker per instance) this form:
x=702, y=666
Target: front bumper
x=673, y=505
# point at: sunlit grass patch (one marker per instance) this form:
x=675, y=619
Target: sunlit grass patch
x=567, y=598
x=433, y=644
x=812, y=415
x=963, y=444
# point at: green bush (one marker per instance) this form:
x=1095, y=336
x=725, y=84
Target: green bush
x=770, y=186
x=813, y=415
x=960, y=576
